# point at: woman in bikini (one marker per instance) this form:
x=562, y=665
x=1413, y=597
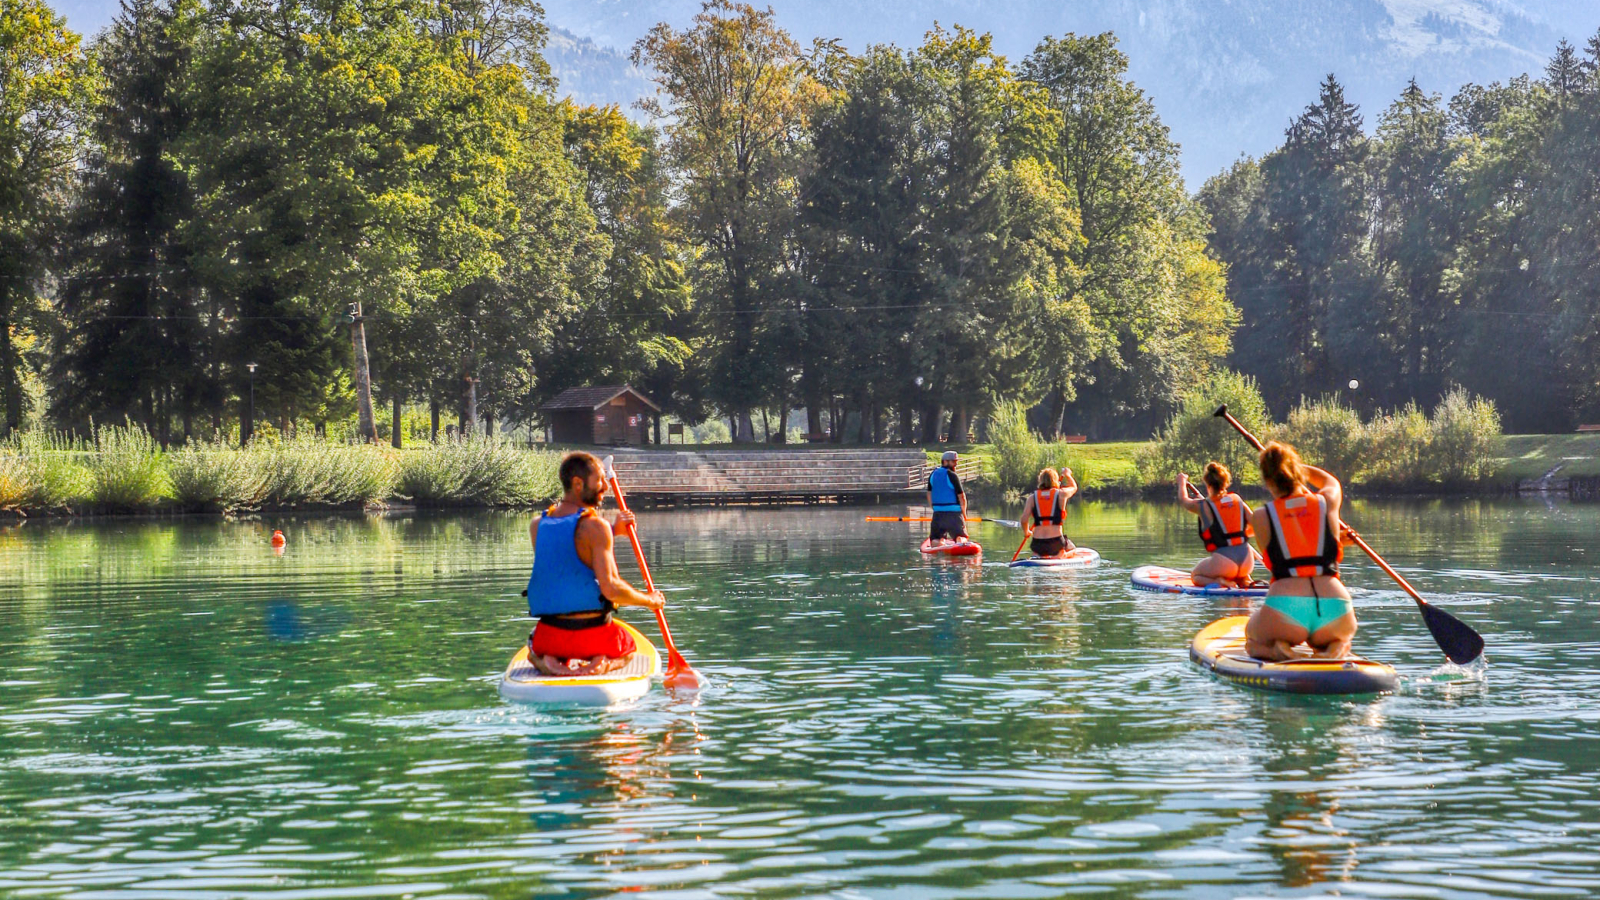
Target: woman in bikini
x=1302, y=542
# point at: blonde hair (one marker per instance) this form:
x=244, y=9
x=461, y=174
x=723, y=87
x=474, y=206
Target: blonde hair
x=1048, y=478
x=1281, y=468
x=1217, y=476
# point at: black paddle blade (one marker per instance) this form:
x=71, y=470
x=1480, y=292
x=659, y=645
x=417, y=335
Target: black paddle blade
x=1221, y=411
x=1456, y=638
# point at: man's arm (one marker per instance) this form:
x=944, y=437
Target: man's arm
x=595, y=541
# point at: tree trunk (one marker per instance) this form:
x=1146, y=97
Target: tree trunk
x=748, y=425
x=766, y=426
x=908, y=431
x=959, y=422
x=864, y=428
x=932, y=418
x=10, y=384
x=367, y=423
x=488, y=425
x=1058, y=414
x=433, y=420
x=469, y=420
x=783, y=422
x=395, y=440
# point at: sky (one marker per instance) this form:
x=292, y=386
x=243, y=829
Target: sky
x=1226, y=76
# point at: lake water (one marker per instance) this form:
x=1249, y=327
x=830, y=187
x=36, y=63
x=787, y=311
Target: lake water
x=184, y=714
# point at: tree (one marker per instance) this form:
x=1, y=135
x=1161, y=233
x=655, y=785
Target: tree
x=343, y=154
x=737, y=99
x=46, y=85
x=1139, y=276
x=138, y=337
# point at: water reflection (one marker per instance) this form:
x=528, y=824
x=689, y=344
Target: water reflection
x=878, y=724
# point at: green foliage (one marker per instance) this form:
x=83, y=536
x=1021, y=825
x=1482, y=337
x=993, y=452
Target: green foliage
x=1397, y=447
x=125, y=469
x=1464, y=439
x=214, y=476
x=477, y=471
x=1018, y=454
x=48, y=470
x=1328, y=434
x=1194, y=436
x=318, y=473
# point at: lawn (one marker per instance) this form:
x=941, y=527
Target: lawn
x=1532, y=455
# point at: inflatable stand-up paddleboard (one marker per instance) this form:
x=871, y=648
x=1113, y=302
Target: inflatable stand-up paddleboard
x=944, y=548
x=1077, y=558
x=523, y=683
x=1220, y=648
x=1172, y=581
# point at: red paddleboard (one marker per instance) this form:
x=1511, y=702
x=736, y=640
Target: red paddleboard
x=950, y=548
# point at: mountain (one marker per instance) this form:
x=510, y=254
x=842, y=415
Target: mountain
x=1226, y=75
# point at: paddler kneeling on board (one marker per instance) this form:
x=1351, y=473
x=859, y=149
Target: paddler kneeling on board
x=1301, y=539
x=575, y=587
x=1043, y=511
x=948, y=500
x=1224, y=528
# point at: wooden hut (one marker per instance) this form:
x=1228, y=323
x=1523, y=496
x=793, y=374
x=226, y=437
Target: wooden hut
x=610, y=414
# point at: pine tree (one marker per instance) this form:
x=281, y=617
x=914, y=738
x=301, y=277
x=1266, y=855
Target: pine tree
x=136, y=342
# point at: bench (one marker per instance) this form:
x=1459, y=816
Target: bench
x=1587, y=429
x=1074, y=439
x=817, y=437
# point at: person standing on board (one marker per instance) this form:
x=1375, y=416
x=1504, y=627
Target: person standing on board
x=1224, y=528
x=1043, y=511
x=948, y=500
x=575, y=587
x=1302, y=542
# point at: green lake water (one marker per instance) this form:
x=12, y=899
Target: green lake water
x=184, y=714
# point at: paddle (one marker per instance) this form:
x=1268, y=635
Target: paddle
x=679, y=673
x=1006, y=522
x=1019, y=547
x=1457, y=639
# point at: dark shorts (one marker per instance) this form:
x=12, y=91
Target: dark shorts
x=1050, y=546
x=608, y=640
x=948, y=526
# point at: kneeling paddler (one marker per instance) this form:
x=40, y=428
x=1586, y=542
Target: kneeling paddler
x=575, y=586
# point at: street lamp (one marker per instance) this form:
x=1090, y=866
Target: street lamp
x=250, y=432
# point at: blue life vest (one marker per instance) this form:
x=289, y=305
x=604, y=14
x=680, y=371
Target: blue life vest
x=561, y=582
x=945, y=498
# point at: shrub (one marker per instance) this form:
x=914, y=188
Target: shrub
x=1397, y=447
x=1329, y=435
x=1464, y=440
x=1018, y=453
x=15, y=486
x=302, y=472
x=1194, y=436
x=215, y=476
x=487, y=470
x=125, y=469
x=48, y=470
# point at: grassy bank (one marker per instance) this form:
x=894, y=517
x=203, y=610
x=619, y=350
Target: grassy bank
x=1532, y=455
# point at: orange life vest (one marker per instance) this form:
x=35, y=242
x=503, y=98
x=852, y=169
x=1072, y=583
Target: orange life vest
x=1046, y=499
x=1229, y=524
x=1300, y=543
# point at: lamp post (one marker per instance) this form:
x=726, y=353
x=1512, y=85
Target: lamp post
x=249, y=431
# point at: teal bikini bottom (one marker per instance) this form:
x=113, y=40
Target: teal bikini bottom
x=1310, y=613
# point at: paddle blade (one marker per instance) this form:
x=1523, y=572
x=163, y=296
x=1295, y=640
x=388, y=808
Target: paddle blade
x=1221, y=411
x=1456, y=638
x=680, y=676
x=608, y=471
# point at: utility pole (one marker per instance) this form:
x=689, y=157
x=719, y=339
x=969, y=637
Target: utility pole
x=249, y=429
x=358, y=336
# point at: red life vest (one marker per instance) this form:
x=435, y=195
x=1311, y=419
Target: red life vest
x=1046, y=499
x=1229, y=525
x=1300, y=543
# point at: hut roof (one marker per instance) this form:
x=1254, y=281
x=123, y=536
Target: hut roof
x=592, y=398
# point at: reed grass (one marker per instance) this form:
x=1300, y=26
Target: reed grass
x=477, y=471
x=216, y=477
x=126, y=469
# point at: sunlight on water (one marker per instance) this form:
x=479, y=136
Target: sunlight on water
x=184, y=714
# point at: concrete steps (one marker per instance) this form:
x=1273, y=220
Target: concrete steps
x=768, y=476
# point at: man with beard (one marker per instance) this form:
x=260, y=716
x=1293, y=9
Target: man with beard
x=575, y=587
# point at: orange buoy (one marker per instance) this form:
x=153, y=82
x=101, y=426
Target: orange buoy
x=277, y=539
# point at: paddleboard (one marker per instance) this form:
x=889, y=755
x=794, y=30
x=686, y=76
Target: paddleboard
x=523, y=683
x=1172, y=581
x=1077, y=558
x=1220, y=648
x=962, y=548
